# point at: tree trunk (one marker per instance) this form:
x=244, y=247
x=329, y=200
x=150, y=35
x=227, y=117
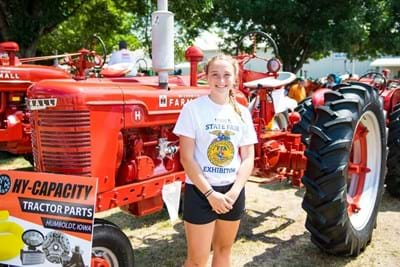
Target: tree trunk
x=28, y=50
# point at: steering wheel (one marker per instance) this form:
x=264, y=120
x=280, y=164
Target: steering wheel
x=97, y=50
x=246, y=72
x=254, y=35
x=88, y=59
x=375, y=79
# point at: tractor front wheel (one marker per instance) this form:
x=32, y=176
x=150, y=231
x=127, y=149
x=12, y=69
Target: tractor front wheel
x=346, y=161
x=112, y=245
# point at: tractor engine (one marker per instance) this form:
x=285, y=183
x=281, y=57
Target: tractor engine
x=147, y=152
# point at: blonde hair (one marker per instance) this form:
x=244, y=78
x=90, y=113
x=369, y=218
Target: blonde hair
x=235, y=64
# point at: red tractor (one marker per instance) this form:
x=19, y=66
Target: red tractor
x=15, y=78
x=349, y=131
x=120, y=131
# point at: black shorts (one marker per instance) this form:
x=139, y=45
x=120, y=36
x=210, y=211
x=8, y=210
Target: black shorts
x=197, y=210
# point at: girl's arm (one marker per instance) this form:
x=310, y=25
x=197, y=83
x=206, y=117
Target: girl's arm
x=245, y=169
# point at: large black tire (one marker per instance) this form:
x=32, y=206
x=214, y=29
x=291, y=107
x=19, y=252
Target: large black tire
x=337, y=227
x=307, y=114
x=393, y=175
x=112, y=244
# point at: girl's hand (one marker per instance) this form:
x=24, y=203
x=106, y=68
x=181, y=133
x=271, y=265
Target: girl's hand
x=232, y=194
x=220, y=203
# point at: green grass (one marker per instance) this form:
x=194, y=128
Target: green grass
x=12, y=162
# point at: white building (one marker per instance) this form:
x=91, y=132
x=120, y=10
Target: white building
x=391, y=63
x=336, y=63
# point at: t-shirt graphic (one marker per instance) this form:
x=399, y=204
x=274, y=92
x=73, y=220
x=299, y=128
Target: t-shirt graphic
x=218, y=133
x=221, y=150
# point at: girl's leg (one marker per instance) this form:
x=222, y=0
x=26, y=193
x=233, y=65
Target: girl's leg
x=198, y=238
x=224, y=236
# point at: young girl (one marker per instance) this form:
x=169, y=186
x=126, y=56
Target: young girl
x=217, y=138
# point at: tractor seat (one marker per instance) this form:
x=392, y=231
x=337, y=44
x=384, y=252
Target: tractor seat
x=119, y=70
x=283, y=78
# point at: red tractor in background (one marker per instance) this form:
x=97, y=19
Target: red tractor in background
x=15, y=78
x=120, y=131
x=389, y=94
x=345, y=130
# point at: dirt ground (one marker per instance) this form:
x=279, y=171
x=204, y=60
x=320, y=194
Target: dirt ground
x=272, y=233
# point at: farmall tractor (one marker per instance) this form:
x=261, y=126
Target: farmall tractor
x=120, y=131
x=15, y=78
x=16, y=75
x=348, y=133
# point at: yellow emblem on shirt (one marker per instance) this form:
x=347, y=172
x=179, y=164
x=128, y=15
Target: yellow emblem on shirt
x=221, y=150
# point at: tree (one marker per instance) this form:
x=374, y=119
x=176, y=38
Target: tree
x=384, y=37
x=304, y=29
x=189, y=19
x=25, y=21
x=60, y=26
x=128, y=20
x=111, y=21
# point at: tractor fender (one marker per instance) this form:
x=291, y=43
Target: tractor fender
x=390, y=99
x=318, y=97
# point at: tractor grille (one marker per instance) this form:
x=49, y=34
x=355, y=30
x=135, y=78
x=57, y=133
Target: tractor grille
x=61, y=141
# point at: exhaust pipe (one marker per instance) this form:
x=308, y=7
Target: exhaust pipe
x=162, y=36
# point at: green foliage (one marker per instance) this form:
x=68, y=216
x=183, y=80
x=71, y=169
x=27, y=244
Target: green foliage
x=101, y=17
x=384, y=37
x=302, y=29
x=25, y=21
x=188, y=17
x=306, y=29
x=127, y=20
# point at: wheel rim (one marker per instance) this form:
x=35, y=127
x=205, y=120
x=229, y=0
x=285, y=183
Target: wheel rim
x=364, y=170
x=107, y=254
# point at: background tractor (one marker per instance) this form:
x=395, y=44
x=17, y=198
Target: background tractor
x=15, y=78
x=345, y=131
x=16, y=75
x=120, y=131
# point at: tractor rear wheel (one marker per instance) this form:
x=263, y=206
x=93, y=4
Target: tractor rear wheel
x=346, y=161
x=393, y=174
x=306, y=111
x=111, y=244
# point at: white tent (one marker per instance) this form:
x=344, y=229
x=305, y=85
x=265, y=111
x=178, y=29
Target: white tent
x=391, y=63
x=386, y=62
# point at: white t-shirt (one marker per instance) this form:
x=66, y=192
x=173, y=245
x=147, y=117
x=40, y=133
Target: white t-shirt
x=122, y=56
x=124, y=59
x=218, y=132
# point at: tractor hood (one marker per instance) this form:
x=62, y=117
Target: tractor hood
x=138, y=91
x=30, y=73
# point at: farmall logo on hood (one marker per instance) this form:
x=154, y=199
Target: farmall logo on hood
x=38, y=104
x=8, y=75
